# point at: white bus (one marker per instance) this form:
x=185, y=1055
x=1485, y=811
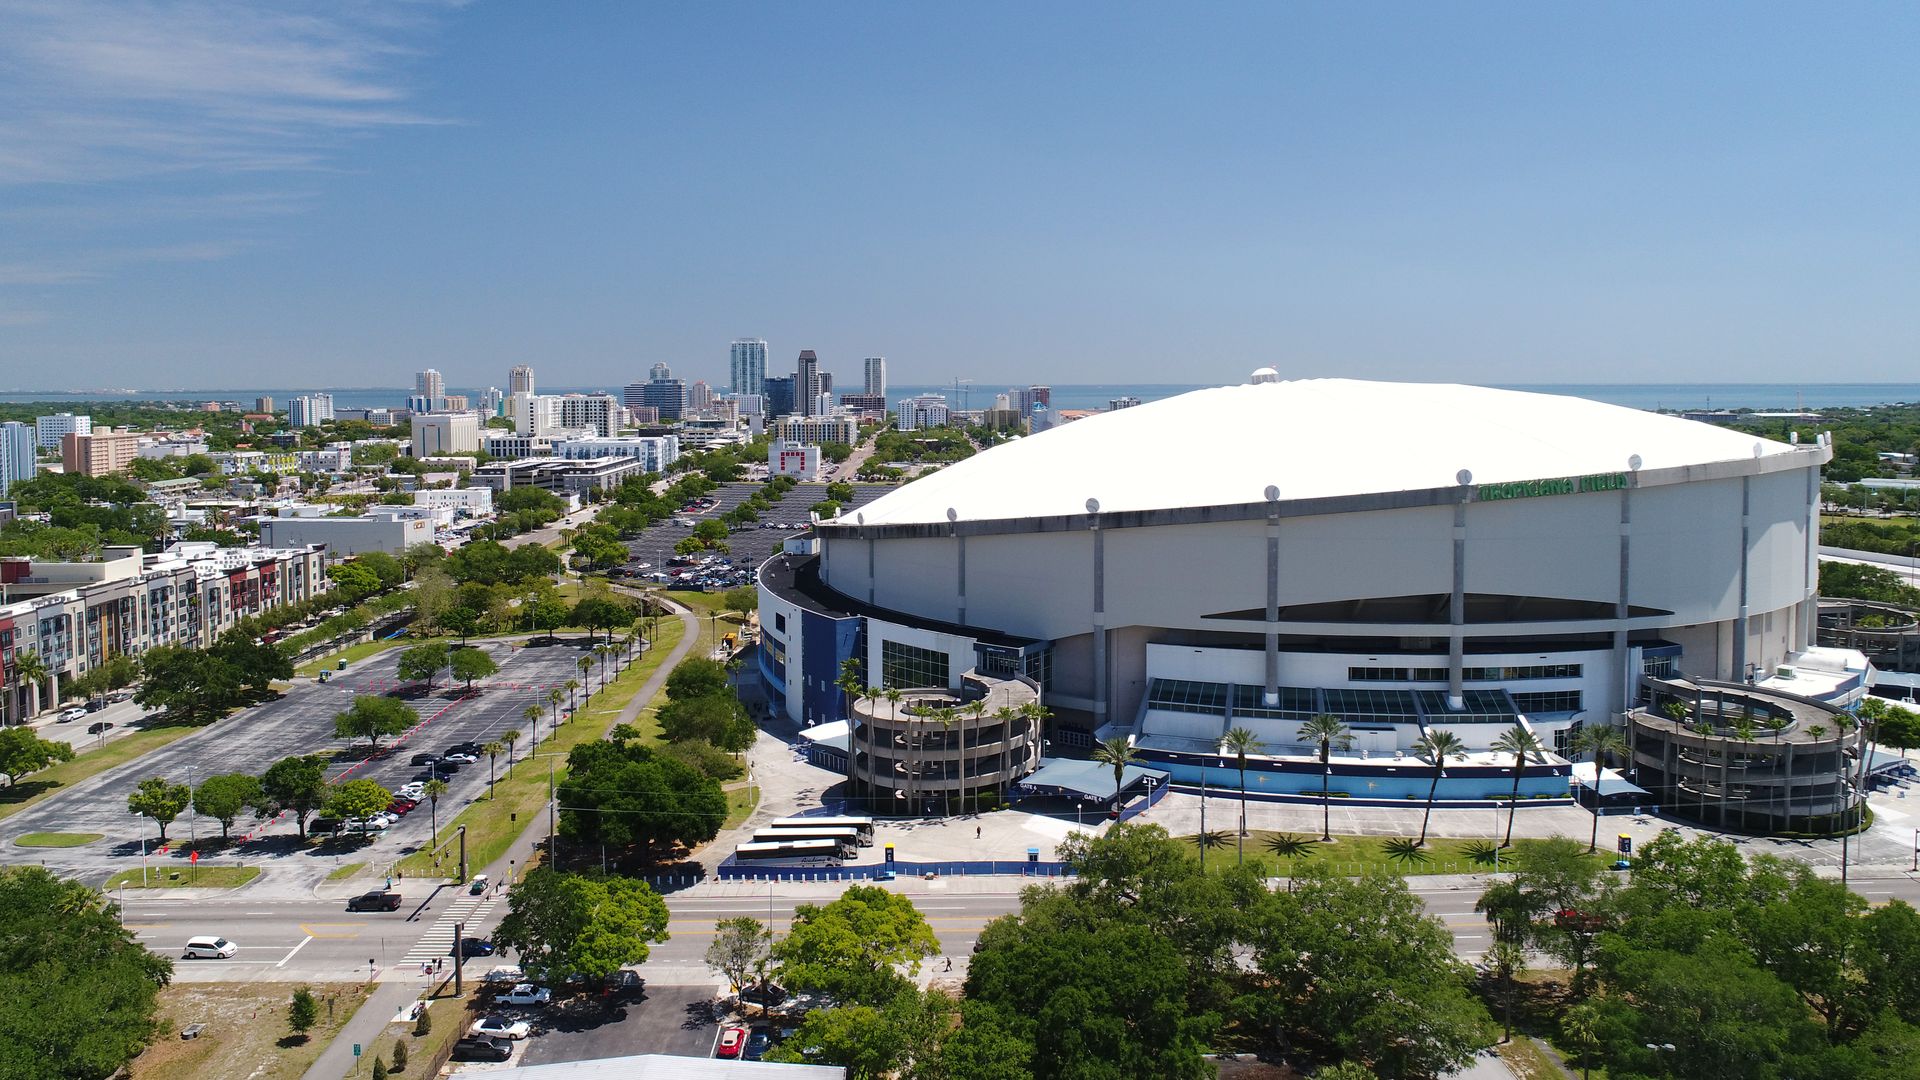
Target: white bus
x=792, y=852
x=861, y=825
x=848, y=839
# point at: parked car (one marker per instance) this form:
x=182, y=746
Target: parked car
x=765, y=994
x=378, y=900
x=472, y=946
x=95, y=729
x=415, y=790
x=526, y=994
x=505, y=973
x=732, y=1040
x=75, y=713
x=458, y=757
x=481, y=1048
x=375, y=823
x=478, y=885
x=401, y=806
x=208, y=948
x=424, y=759
x=759, y=1041
x=500, y=1027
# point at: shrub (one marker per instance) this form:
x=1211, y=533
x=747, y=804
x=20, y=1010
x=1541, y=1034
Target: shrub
x=399, y=1054
x=424, y=1025
x=706, y=757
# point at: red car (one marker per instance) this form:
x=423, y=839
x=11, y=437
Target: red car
x=401, y=805
x=731, y=1040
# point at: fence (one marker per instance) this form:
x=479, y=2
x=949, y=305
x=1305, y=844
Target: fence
x=1140, y=806
x=732, y=871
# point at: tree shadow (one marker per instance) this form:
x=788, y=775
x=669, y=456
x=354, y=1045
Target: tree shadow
x=702, y=1013
x=24, y=790
x=288, y=1042
x=585, y=1014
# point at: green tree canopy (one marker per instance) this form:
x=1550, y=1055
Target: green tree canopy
x=470, y=664
x=714, y=718
x=222, y=797
x=859, y=948
x=626, y=794
x=81, y=991
x=372, y=717
x=160, y=800
x=357, y=799
x=423, y=662
x=23, y=752
x=296, y=785
x=697, y=677
x=561, y=924
x=601, y=613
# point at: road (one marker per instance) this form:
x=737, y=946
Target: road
x=301, y=722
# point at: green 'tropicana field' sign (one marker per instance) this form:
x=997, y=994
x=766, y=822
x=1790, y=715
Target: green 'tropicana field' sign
x=1559, y=485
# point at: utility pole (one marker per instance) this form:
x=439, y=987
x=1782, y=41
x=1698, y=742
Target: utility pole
x=553, y=855
x=459, y=955
x=463, y=854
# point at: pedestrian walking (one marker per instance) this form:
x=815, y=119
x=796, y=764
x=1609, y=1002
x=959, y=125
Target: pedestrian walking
x=949, y=963
x=976, y=832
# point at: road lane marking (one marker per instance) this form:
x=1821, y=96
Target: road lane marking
x=313, y=930
x=296, y=948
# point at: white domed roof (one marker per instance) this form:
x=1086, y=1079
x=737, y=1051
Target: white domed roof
x=1312, y=438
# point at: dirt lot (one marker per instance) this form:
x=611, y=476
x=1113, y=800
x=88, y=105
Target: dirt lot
x=246, y=1031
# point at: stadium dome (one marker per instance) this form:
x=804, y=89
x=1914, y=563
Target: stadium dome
x=1314, y=438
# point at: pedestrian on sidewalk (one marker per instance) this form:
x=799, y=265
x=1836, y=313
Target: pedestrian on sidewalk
x=976, y=832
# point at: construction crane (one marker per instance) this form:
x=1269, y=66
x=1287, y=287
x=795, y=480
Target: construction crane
x=960, y=391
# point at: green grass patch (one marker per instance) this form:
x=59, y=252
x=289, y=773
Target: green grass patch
x=347, y=871
x=1527, y=1060
x=58, y=839
x=741, y=802
x=44, y=783
x=184, y=877
x=493, y=823
x=1354, y=856
x=357, y=651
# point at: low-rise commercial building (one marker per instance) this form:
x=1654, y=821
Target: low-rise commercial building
x=817, y=429
x=346, y=536
x=473, y=501
x=798, y=460
x=445, y=433
x=558, y=475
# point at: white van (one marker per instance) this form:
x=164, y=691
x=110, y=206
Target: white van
x=209, y=948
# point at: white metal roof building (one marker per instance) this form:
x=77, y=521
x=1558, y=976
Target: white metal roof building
x=1410, y=557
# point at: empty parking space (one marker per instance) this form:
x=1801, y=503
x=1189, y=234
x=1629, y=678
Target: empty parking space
x=749, y=545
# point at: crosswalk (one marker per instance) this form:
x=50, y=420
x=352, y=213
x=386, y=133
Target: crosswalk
x=437, y=942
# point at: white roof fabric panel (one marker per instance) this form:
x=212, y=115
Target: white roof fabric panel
x=1312, y=438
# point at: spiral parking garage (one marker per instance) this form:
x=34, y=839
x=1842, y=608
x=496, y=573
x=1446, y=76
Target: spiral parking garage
x=1409, y=558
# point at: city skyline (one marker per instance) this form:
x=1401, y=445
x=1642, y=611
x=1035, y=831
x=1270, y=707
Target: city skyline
x=215, y=196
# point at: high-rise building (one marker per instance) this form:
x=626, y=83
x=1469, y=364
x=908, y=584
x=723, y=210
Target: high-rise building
x=669, y=396
x=779, y=395
x=866, y=405
x=876, y=376
x=305, y=411
x=263, y=404
x=492, y=400
x=925, y=411
x=699, y=396
x=633, y=394
x=17, y=449
x=454, y=403
x=520, y=379
x=659, y=372
x=429, y=385
x=435, y=434
x=50, y=429
x=101, y=452
x=747, y=366
x=806, y=382
x=533, y=414
x=1042, y=395
x=600, y=412
x=1115, y=404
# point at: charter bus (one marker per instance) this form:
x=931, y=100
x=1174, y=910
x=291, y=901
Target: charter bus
x=861, y=825
x=793, y=852
x=848, y=839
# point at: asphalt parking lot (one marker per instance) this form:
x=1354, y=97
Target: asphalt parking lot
x=677, y=1020
x=301, y=722
x=753, y=544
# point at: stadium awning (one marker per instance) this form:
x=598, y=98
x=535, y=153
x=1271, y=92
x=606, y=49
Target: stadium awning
x=1611, y=783
x=1085, y=779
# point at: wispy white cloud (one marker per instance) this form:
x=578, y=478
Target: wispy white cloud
x=171, y=130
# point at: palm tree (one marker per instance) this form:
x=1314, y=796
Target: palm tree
x=532, y=713
x=512, y=735
x=1206, y=840
x=585, y=664
x=1327, y=732
x=1116, y=751
x=606, y=661
x=493, y=750
x=553, y=698
x=573, y=691
x=946, y=715
x=1437, y=747
x=1241, y=742
x=1519, y=742
x=32, y=671
x=433, y=790
x=979, y=716
x=1602, y=741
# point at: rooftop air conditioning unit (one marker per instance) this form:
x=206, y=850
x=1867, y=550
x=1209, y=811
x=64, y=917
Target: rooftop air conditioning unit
x=1783, y=672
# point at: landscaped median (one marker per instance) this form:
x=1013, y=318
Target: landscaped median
x=182, y=877
x=493, y=822
x=57, y=839
x=1278, y=854
x=40, y=785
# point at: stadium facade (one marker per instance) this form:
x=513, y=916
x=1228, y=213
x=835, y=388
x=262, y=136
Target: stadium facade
x=1407, y=557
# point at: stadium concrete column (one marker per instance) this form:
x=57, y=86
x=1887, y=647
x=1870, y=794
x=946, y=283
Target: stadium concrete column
x=1810, y=604
x=1624, y=677
x=1746, y=560
x=960, y=591
x=1099, y=616
x=1457, y=602
x=1272, y=689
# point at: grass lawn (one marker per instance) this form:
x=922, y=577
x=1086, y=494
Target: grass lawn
x=520, y=798
x=57, y=839
x=246, y=1035
x=347, y=871
x=184, y=877
x=740, y=804
x=38, y=786
x=1353, y=856
x=1528, y=1061
x=448, y=1019
x=358, y=651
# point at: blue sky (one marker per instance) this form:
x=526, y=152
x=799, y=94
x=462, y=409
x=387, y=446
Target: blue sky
x=242, y=195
